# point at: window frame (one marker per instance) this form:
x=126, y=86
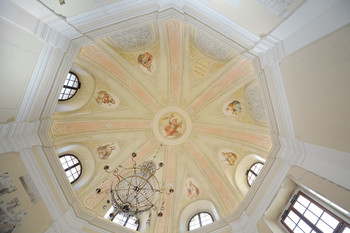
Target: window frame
x=126, y=221
x=342, y=224
x=71, y=167
x=70, y=87
x=200, y=223
x=250, y=170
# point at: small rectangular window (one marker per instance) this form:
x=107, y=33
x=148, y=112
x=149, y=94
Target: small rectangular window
x=306, y=215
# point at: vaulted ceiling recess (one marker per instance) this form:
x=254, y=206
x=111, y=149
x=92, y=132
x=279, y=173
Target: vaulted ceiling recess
x=171, y=85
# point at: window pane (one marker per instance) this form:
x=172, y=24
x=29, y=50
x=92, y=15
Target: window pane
x=311, y=217
x=315, y=209
x=346, y=230
x=72, y=167
x=329, y=220
x=68, y=90
x=306, y=228
x=293, y=216
x=305, y=202
x=200, y=219
x=299, y=207
x=324, y=227
x=289, y=223
x=298, y=230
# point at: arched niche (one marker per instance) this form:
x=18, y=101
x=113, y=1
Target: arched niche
x=85, y=156
x=240, y=175
x=83, y=95
x=194, y=208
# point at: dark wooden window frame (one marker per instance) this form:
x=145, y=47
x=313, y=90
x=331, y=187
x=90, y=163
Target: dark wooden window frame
x=200, y=222
x=250, y=170
x=340, y=227
x=71, y=87
x=126, y=221
x=73, y=166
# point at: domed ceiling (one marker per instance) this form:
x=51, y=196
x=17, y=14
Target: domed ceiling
x=174, y=92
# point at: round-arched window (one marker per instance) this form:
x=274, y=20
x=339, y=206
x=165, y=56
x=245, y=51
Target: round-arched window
x=71, y=166
x=70, y=87
x=200, y=219
x=128, y=221
x=253, y=172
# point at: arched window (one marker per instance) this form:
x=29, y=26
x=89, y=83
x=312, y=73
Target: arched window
x=128, y=221
x=253, y=172
x=71, y=166
x=199, y=220
x=70, y=87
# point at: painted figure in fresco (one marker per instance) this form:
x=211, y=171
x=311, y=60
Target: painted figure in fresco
x=9, y=220
x=104, y=98
x=6, y=184
x=230, y=157
x=105, y=151
x=192, y=190
x=146, y=61
x=234, y=107
x=173, y=124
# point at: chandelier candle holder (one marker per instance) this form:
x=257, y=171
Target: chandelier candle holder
x=135, y=190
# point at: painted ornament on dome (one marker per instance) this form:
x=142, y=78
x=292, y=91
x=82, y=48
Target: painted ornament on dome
x=103, y=97
x=229, y=157
x=106, y=150
x=191, y=188
x=172, y=125
x=234, y=108
x=147, y=63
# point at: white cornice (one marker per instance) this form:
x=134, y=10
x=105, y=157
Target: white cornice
x=17, y=135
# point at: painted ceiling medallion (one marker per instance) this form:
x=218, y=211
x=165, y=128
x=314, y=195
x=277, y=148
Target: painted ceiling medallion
x=172, y=125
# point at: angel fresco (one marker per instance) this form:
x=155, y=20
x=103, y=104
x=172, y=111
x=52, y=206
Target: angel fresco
x=9, y=220
x=104, y=98
x=172, y=125
x=147, y=64
x=229, y=157
x=105, y=151
x=6, y=184
x=234, y=107
x=192, y=189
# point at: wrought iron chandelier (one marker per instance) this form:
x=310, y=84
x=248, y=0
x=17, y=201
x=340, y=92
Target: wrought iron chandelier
x=135, y=190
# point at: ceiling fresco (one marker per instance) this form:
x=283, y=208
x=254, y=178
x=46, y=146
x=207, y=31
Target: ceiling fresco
x=169, y=90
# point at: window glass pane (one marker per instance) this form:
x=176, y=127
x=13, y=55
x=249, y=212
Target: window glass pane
x=72, y=167
x=305, y=202
x=346, y=230
x=289, y=223
x=298, y=230
x=306, y=228
x=311, y=217
x=324, y=227
x=68, y=90
x=293, y=216
x=299, y=207
x=329, y=220
x=200, y=219
x=315, y=209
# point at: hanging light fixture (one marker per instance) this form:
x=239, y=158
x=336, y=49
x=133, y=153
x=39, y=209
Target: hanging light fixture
x=136, y=190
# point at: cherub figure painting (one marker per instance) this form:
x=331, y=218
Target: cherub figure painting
x=229, y=157
x=192, y=189
x=172, y=126
x=9, y=220
x=147, y=64
x=234, y=107
x=6, y=184
x=106, y=150
x=104, y=98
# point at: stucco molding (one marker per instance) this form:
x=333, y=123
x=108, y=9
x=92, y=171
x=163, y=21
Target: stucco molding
x=15, y=136
x=38, y=178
